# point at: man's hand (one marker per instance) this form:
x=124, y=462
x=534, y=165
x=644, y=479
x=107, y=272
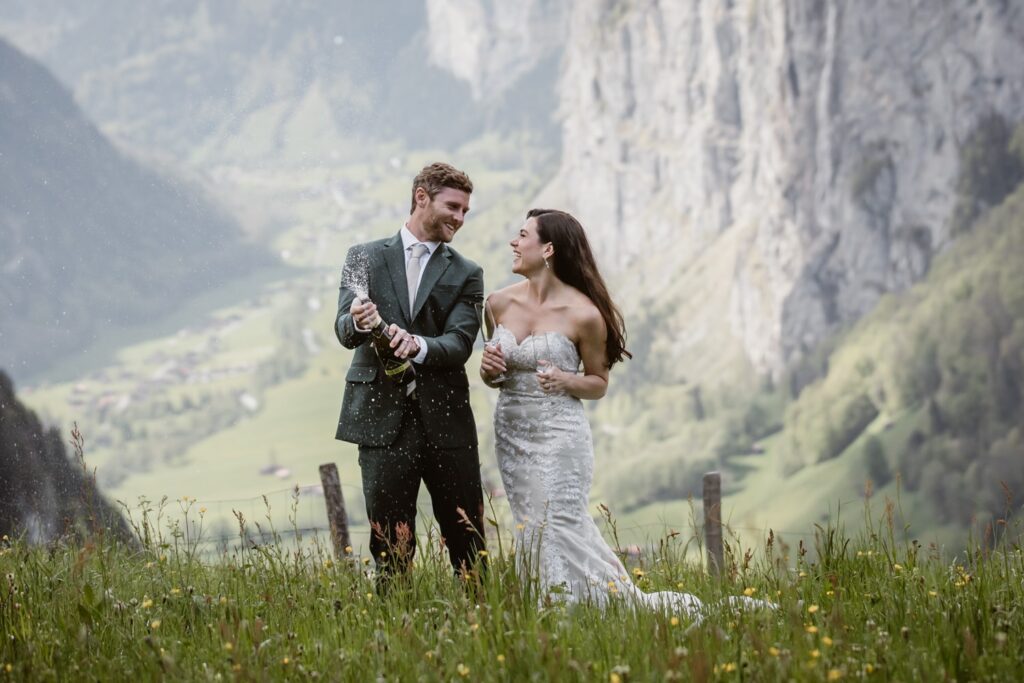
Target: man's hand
x=364, y=314
x=404, y=344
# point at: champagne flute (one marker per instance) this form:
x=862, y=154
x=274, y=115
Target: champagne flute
x=541, y=339
x=487, y=329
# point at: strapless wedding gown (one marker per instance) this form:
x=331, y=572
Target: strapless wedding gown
x=546, y=456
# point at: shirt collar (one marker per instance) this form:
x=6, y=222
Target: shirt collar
x=409, y=239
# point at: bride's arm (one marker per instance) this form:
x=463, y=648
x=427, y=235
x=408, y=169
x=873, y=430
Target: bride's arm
x=592, y=384
x=492, y=362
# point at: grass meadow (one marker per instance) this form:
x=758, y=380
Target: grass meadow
x=875, y=606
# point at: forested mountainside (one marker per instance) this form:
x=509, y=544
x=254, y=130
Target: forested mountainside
x=43, y=493
x=91, y=237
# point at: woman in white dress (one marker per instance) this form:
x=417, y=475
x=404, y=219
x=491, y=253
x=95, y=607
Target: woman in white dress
x=558, y=318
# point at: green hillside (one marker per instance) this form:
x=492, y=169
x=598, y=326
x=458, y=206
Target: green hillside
x=920, y=402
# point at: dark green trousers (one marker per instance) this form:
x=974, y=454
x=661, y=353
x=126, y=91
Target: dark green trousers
x=391, y=482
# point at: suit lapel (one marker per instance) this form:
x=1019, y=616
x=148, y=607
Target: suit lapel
x=436, y=266
x=394, y=257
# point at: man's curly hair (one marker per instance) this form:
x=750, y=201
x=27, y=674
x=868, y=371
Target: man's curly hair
x=436, y=177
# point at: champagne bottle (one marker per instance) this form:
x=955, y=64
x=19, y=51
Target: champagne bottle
x=401, y=371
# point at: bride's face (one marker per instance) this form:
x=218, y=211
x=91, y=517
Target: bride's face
x=528, y=251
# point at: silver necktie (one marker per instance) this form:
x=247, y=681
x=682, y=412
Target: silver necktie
x=412, y=272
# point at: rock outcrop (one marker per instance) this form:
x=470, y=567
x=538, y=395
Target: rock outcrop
x=805, y=151
x=491, y=44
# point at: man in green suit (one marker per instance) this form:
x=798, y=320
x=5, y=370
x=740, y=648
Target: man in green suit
x=423, y=432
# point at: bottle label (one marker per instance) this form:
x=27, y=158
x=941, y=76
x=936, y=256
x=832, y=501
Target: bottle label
x=394, y=368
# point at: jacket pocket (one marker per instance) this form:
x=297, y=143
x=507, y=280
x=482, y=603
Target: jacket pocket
x=361, y=373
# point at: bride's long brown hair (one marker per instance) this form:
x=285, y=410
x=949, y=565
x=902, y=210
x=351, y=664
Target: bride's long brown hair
x=574, y=264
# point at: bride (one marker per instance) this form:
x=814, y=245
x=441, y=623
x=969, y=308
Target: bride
x=558, y=318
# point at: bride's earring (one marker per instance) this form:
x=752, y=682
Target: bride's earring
x=546, y=264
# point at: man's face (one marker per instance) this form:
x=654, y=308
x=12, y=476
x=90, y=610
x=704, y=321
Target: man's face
x=443, y=215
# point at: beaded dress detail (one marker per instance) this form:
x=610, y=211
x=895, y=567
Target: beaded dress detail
x=546, y=456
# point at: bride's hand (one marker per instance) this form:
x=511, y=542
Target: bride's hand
x=552, y=380
x=492, y=363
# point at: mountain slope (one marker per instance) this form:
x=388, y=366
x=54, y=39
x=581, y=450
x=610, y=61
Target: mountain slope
x=43, y=495
x=922, y=400
x=89, y=236
x=293, y=81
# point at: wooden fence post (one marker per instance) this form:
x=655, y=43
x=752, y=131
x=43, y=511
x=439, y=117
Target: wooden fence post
x=713, y=521
x=335, y=509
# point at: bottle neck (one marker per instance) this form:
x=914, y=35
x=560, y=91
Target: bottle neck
x=380, y=329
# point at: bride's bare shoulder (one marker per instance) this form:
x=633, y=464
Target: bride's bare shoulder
x=500, y=299
x=586, y=316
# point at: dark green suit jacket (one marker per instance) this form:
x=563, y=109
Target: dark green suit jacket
x=444, y=315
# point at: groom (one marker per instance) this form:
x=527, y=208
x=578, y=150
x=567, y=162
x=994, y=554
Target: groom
x=425, y=432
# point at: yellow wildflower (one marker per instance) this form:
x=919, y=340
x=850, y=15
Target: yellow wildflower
x=463, y=670
x=774, y=651
x=933, y=594
x=729, y=667
x=223, y=600
x=674, y=621
x=501, y=659
x=175, y=591
x=748, y=591
x=614, y=678
x=147, y=603
x=869, y=668
x=825, y=640
x=815, y=653
x=811, y=628
x=638, y=573
x=229, y=646
x=482, y=553
x=834, y=674
x=285, y=661
x=812, y=609
x=155, y=624
x=898, y=567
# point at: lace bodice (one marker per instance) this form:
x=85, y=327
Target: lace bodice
x=521, y=357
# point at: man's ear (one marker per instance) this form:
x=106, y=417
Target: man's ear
x=422, y=198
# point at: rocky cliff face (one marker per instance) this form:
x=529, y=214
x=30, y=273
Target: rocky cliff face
x=491, y=44
x=804, y=152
